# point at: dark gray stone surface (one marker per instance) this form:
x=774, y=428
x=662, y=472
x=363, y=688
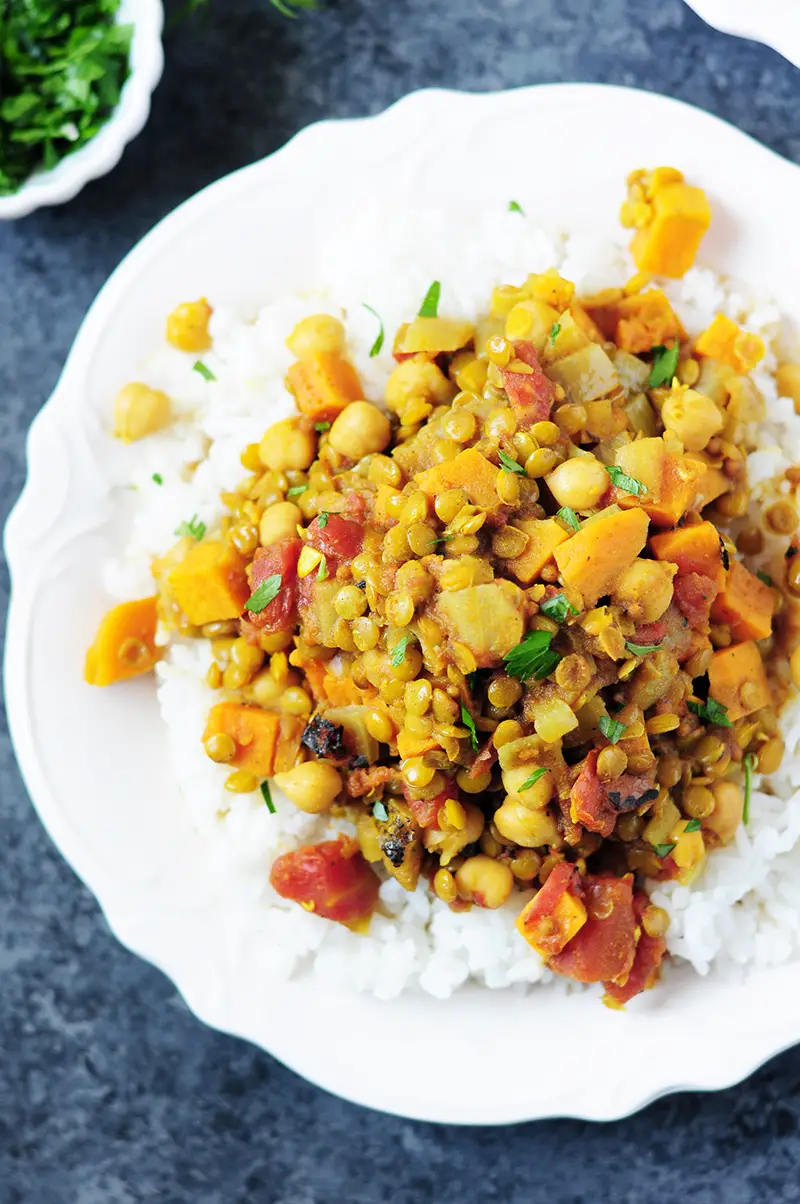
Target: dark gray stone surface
x=110, y=1091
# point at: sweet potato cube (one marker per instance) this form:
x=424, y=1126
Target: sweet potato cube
x=253, y=730
x=737, y=679
x=592, y=559
x=694, y=549
x=469, y=471
x=668, y=244
x=210, y=583
x=723, y=340
x=323, y=385
x=710, y=483
x=544, y=536
x=745, y=604
x=125, y=644
x=670, y=479
x=644, y=321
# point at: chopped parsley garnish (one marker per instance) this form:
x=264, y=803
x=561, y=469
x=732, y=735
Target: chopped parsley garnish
x=557, y=608
x=665, y=365
x=194, y=528
x=612, y=729
x=377, y=346
x=322, y=571
x=532, y=780
x=532, y=657
x=555, y=331
x=515, y=207
x=765, y=577
x=268, y=803
x=692, y=826
x=750, y=764
x=296, y=490
x=430, y=306
x=568, y=516
x=380, y=812
x=157, y=477
x=319, y=427
x=206, y=373
x=469, y=723
x=322, y=519
x=621, y=480
x=398, y=653
x=712, y=712
x=641, y=649
x=663, y=850
x=509, y=464
x=266, y=592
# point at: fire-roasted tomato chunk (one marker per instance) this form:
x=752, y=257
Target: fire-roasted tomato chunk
x=332, y=879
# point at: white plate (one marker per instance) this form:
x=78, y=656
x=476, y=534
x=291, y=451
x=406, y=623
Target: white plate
x=104, y=151
x=776, y=23
x=94, y=760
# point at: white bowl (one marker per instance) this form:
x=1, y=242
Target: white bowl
x=776, y=23
x=104, y=151
x=94, y=760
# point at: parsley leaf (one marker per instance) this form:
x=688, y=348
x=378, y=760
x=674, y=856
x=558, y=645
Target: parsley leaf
x=532, y=657
x=380, y=812
x=515, y=207
x=750, y=763
x=157, y=477
x=509, y=464
x=765, y=577
x=557, y=608
x=712, y=712
x=612, y=729
x=322, y=519
x=469, y=723
x=568, y=516
x=266, y=592
x=194, y=528
x=665, y=365
x=532, y=780
x=555, y=331
x=203, y=371
x=322, y=571
x=398, y=653
x=267, y=798
x=621, y=480
x=663, y=850
x=377, y=346
x=430, y=306
x=692, y=826
x=641, y=649
x=319, y=427
x=296, y=490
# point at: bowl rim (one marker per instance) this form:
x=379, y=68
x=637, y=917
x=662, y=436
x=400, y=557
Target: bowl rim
x=48, y=425
x=774, y=23
x=104, y=150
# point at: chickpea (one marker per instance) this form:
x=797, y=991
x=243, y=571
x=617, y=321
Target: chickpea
x=312, y=786
x=415, y=379
x=318, y=334
x=644, y=589
x=360, y=430
x=579, y=483
x=530, y=829
x=484, y=881
x=449, y=842
x=139, y=411
x=279, y=522
x=693, y=417
x=187, y=326
x=286, y=445
x=727, y=813
x=536, y=796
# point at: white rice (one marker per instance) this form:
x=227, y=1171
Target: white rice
x=744, y=908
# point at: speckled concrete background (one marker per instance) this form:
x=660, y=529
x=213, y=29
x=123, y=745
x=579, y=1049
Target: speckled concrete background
x=110, y=1091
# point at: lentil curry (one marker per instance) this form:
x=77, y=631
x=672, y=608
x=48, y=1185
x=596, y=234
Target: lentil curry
x=503, y=622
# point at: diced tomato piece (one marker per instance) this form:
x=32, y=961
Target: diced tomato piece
x=332, y=879
x=531, y=393
x=649, y=954
x=426, y=811
x=588, y=803
x=604, y=948
x=340, y=539
x=545, y=922
x=363, y=781
x=649, y=633
x=694, y=596
x=677, y=633
x=484, y=761
x=280, y=558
